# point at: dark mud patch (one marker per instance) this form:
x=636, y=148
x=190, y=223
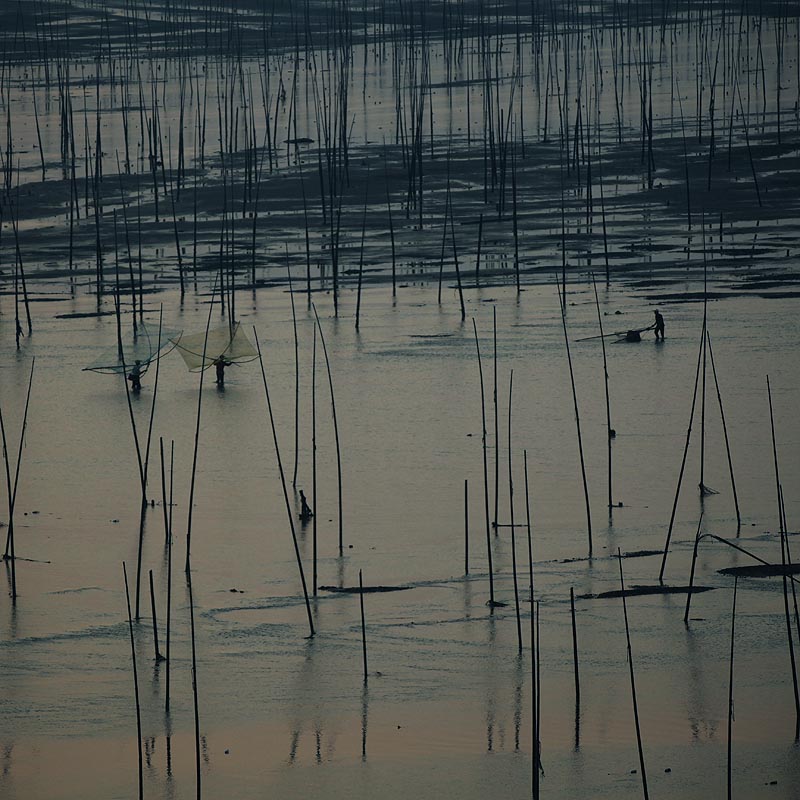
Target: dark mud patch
x=430, y=335
x=632, y=554
x=761, y=570
x=365, y=590
x=639, y=591
x=86, y=314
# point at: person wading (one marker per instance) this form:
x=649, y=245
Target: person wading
x=658, y=325
x=135, y=376
x=219, y=365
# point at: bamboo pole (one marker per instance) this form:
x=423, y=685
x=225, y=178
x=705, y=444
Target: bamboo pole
x=363, y=625
x=135, y=684
x=563, y=300
x=168, y=532
x=730, y=690
x=511, y=512
x=575, y=650
x=335, y=426
x=143, y=466
x=283, y=484
x=196, y=704
x=534, y=644
x=485, y=470
x=775, y=458
x=704, y=490
x=496, y=423
x=633, y=680
x=725, y=432
x=158, y=656
x=697, y=538
x=790, y=639
x=466, y=527
x=314, y=459
x=610, y=433
x=10, y=553
x=197, y=434
x=296, y=376
x=683, y=460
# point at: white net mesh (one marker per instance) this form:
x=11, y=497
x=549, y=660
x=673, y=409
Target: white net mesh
x=227, y=342
x=140, y=345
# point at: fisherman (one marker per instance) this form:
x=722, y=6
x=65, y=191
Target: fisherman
x=135, y=376
x=305, y=509
x=659, y=326
x=633, y=336
x=219, y=364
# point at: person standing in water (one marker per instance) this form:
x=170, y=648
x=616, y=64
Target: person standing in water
x=219, y=364
x=659, y=326
x=135, y=376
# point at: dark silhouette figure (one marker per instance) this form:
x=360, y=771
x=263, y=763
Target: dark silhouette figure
x=633, y=336
x=305, y=509
x=659, y=326
x=220, y=364
x=135, y=376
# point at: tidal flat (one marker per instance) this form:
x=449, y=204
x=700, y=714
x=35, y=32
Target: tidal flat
x=403, y=182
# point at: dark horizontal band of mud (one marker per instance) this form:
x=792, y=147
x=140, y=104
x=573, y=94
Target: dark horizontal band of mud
x=762, y=570
x=365, y=590
x=642, y=553
x=631, y=554
x=636, y=591
x=86, y=314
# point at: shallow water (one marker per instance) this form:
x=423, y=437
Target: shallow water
x=597, y=71
x=447, y=709
x=292, y=712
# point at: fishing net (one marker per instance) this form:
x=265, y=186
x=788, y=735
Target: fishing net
x=228, y=342
x=141, y=344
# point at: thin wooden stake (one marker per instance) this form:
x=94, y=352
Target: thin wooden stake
x=683, y=460
x=289, y=511
x=633, y=680
x=575, y=649
x=496, y=424
x=534, y=645
x=197, y=434
x=790, y=641
x=609, y=430
x=511, y=511
x=697, y=538
x=335, y=427
x=10, y=553
x=775, y=458
x=466, y=527
x=168, y=533
x=296, y=376
x=135, y=684
x=198, y=781
x=314, y=461
x=730, y=689
x=485, y=470
x=563, y=301
x=363, y=625
x=725, y=432
x=158, y=656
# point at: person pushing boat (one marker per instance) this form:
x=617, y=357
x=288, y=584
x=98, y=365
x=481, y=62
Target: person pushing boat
x=658, y=325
